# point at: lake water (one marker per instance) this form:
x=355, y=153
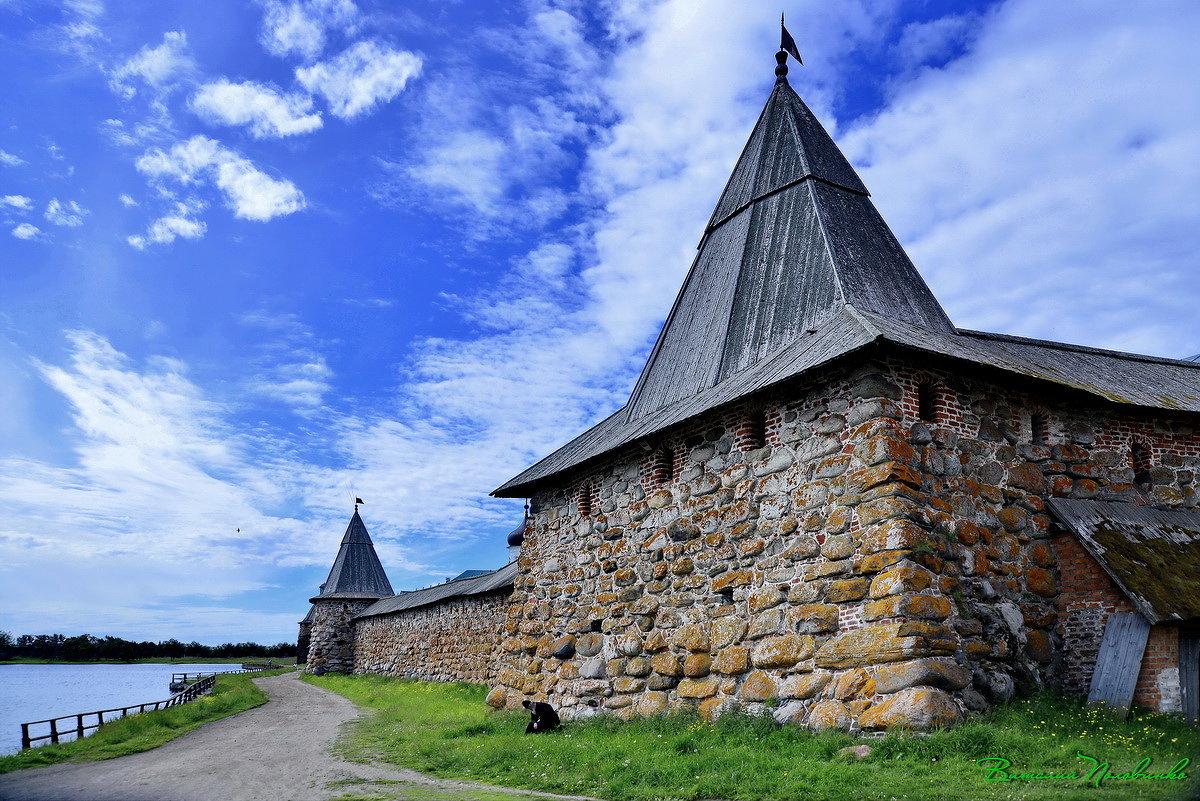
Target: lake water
x=38, y=692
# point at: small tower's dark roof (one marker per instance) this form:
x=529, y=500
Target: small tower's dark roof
x=517, y=535
x=356, y=571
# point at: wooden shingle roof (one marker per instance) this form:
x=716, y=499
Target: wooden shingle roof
x=356, y=572
x=1152, y=554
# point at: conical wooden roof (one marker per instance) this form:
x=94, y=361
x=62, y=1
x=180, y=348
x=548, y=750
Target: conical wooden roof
x=794, y=239
x=356, y=572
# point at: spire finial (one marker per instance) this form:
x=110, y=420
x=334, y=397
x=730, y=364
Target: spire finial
x=786, y=45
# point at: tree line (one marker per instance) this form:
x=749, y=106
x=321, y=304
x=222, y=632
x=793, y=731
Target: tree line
x=87, y=648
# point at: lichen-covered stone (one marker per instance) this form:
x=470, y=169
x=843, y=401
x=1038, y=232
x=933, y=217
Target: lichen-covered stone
x=732, y=661
x=697, y=665
x=694, y=637
x=828, y=714
x=803, y=686
x=943, y=673
x=667, y=664
x=698, y=688
x=651, y=703
x=758, y=686
x=870, y=645
x=814, y=618
x=726, y=631
x=777, y=652
x=917, y=708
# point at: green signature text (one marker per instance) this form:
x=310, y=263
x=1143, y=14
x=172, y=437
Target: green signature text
x=1097, y=772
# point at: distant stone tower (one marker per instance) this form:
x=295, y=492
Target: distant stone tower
x=355, y=582
x=304, y=637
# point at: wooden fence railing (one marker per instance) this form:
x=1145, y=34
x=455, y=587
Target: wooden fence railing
x=181, y=679
x=195, y=685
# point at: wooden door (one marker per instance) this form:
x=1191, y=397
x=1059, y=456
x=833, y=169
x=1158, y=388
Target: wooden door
x=1189, y=671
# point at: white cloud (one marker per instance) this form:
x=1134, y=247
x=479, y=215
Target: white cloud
x=934, y=39
x=10, y=159
x=301, y=27
x=17, y=202
x=264, y=109
x=248, y=191
x=289, y=365
x=151, y=447
x=1045, y=181
x=180, y=223
x=69, y=213
x=361, y=77
x=80, y=33
x=26, y=231
x=126, y=200
x=372, y=303
x=470, y=165
x=159, y=67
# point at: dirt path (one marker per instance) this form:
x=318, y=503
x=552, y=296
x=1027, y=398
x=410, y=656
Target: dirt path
x=279, y=751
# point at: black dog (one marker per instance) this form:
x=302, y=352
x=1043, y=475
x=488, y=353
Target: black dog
x=544, y=718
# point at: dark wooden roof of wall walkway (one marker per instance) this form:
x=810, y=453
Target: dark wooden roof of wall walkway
x=493, y=581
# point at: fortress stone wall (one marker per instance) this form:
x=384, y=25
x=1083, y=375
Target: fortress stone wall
x=454, y=640
x=830, y=551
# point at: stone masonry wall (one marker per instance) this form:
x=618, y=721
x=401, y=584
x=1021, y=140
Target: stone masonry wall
x=331, y=638
x=455, y=640
x=823, y=549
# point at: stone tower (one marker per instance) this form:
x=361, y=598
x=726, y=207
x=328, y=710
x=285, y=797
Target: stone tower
x=355, y=581
x=825, y=499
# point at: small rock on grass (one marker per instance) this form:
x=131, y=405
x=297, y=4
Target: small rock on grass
x=856, y=751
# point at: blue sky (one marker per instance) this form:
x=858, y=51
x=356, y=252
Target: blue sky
x=257, y=258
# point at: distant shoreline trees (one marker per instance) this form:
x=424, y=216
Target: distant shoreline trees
x=88, y=648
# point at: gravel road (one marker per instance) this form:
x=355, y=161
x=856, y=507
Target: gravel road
x=279, y=751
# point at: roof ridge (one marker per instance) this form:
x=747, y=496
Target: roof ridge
x=1050, y=343
x=750, y=203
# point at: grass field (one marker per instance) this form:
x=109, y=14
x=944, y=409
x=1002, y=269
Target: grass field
x=232, y=694
x=448, y=731
x=183, y=660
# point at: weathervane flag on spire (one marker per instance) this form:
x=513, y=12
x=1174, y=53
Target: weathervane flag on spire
x=787, y=43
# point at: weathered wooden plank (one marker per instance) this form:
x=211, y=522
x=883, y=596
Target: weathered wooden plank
x=1119, y=661
x=1189, y=674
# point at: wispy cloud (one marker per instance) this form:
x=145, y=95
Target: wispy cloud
x=181, y=223
x=301, y=28
x=1062, y=196
x=289, y=366
x=10, y=159
x=366, y=74
x=265, y=110
x=159, y=67
x=126, y=200
x=67, y=213
x=152, y=446
x=249, y=192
